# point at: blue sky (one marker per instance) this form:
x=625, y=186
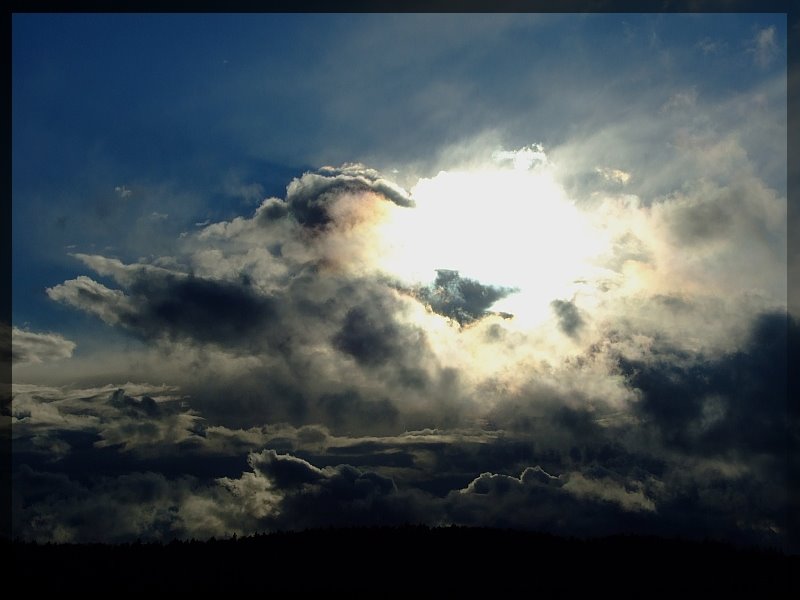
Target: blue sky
x=216, y=209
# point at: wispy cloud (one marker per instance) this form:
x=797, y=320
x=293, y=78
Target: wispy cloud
x=764, y=47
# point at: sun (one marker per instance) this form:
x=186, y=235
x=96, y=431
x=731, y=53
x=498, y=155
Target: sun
x=509, y=225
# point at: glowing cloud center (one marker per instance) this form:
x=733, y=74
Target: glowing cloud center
x=508, y=226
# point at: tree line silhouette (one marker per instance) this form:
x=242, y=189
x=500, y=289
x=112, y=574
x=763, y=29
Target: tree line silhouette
x=412, y=559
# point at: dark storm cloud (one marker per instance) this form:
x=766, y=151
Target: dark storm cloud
x=162, y=304
x=349, y=411
x=54, y=507
x=567, y=474
x=710, y=405
x=369, y=335
x=463, y=300
x=569, y=319
x=200, y=309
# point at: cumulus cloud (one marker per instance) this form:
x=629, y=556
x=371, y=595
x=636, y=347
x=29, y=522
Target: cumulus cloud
x=31, y=347
x=327, y=388
x=309, y=196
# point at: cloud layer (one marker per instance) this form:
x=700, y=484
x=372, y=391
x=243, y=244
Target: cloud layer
x=319, y=388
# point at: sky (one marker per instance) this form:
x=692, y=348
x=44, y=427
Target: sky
x=275, y=272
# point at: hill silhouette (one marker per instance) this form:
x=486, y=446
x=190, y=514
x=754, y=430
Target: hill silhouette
x=409, y=560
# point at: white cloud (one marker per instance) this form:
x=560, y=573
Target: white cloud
x=616, y=175
x=31, y=347
x=522, y=159
x=93, y=297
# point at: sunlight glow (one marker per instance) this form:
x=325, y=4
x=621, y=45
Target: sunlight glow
x=505, y=225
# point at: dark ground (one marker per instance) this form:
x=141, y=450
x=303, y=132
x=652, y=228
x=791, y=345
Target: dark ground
x=414, y=560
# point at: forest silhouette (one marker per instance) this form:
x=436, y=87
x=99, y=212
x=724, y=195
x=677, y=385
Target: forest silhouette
x=412, y=559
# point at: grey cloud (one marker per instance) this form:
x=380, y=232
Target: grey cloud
x=348, y=411
x=201, y=309
x=46, y=419
x=532, y=501
x=569, y=318
x=305, y=496
x=370, y=334
x=31, y=347
x=55, y=508
x=606, y=486
x=162, y=304
x=463, y=300
x=272, y=209
x=284, y=470
x=309, y=196
x=733, y=403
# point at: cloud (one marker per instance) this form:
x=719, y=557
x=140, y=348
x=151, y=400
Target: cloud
x=139, y=505
x=732, y=403
x=578, y=475
x=92, y=297
x=569, y=318
x=370, y=335
x=163, y=304
x=521, y=159
x=607, y=490
x=31, y=347
x=47, y=418
x=615, y=175
x=304, y=496
x=710, y=46
x=250, y=193
x=764, y=47
x=309, y=196
x=463, y=300
x=681, y=100
x=583, y=340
